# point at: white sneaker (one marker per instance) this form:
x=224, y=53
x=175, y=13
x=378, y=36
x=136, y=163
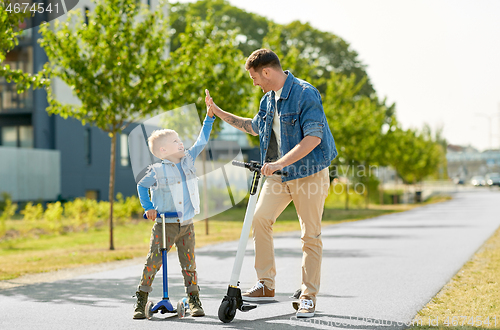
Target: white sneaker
x=304, y=308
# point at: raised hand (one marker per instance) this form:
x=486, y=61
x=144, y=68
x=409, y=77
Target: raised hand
x=211, y=107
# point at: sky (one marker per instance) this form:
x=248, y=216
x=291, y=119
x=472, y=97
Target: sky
x=439, y=60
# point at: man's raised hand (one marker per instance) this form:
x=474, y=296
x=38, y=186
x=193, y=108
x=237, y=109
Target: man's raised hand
x=211, y=107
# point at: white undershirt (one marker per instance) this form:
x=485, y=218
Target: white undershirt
x=276, y=121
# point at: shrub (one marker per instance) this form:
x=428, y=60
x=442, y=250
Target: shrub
x=74, y=212
x=54, y=215
x=9, y=210
x=32, y=212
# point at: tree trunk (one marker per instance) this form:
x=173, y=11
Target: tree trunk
x=112, y=189
x=205, y=197
x=347, y=194
x=367, y=197
x=381, y=192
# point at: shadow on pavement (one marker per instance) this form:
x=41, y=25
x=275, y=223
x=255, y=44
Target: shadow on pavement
x=106, y=292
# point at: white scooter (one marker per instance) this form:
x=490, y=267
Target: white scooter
x=233, y=299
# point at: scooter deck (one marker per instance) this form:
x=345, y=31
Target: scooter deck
x=163, y=306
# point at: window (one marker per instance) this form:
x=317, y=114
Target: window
x=10, y=101
x=124, y=154
x=17, y=136
x=92, y=194
x=87, y=146
x=9, y=136
x=26, y=136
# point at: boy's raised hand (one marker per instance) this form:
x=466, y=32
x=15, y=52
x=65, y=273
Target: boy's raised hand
x=210, y=104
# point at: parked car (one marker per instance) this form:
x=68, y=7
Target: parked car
x=478, y=180
x=492, y=179
x=458, y=180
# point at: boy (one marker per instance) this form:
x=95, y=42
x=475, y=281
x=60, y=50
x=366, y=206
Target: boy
x=174, y=187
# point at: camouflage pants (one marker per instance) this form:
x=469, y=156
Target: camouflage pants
x=183, y=238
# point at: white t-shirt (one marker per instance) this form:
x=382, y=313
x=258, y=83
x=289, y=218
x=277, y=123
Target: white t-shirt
x=276, y=121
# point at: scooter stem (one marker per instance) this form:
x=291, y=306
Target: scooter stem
x=245, y=231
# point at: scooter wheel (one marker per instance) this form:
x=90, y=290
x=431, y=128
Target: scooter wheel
x=227, y=311
x=181, y=310
x=149, y=310
x=186, y=304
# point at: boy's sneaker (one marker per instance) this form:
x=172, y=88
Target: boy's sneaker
x=140, y=306
x=195, y=304
x=304, y=308
x=259, y=292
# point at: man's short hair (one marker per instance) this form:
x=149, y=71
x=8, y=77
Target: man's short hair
x=155, y=137
x=262, y=58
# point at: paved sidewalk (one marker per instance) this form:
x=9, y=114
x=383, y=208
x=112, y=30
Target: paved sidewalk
x=376, y=273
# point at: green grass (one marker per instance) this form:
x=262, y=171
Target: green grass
x=44, y=253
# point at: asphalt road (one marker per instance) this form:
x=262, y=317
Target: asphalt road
x=375, y=273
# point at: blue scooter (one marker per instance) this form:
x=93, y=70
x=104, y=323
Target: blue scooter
x=164, y=306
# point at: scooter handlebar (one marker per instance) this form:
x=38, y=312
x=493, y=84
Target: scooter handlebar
x=167, y=215
x=255, y=166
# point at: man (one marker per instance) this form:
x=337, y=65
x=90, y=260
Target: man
x=294, y=136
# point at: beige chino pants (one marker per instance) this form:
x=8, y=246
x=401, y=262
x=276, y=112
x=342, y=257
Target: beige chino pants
x=308, y=195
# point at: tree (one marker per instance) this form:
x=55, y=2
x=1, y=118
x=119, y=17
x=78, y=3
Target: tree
x=207, y=58
x=414, y=155
x=9, y=33
x=117, y=67
x=327, y=52
x=356, y=122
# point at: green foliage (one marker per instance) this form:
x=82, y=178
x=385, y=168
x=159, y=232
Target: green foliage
x=4, y=196
x=414, y=155
x=326, y=52
x=54, y=215
x=9, y=33
x=338, y=192
x=75, y=211
x=32, y=212
x=78, y=215
x=124, y=209
x=207, y=58
x=117, y=66
x=8, y=211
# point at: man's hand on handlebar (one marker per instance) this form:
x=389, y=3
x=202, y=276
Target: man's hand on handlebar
x=269, y=168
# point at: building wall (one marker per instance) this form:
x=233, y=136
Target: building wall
x=467, y=164
x=30, y=174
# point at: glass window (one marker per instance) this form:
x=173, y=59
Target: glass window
x=92, y=194
x=124, y=155
x=19, y=58
x=26, y=136
x=9, y=136
x=17, y=136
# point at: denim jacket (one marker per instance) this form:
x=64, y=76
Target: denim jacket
x=165, y=183
x=301, y=114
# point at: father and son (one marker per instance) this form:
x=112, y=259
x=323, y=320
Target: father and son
x=294, y=136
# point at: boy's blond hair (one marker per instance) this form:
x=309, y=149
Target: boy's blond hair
x=156, y=136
